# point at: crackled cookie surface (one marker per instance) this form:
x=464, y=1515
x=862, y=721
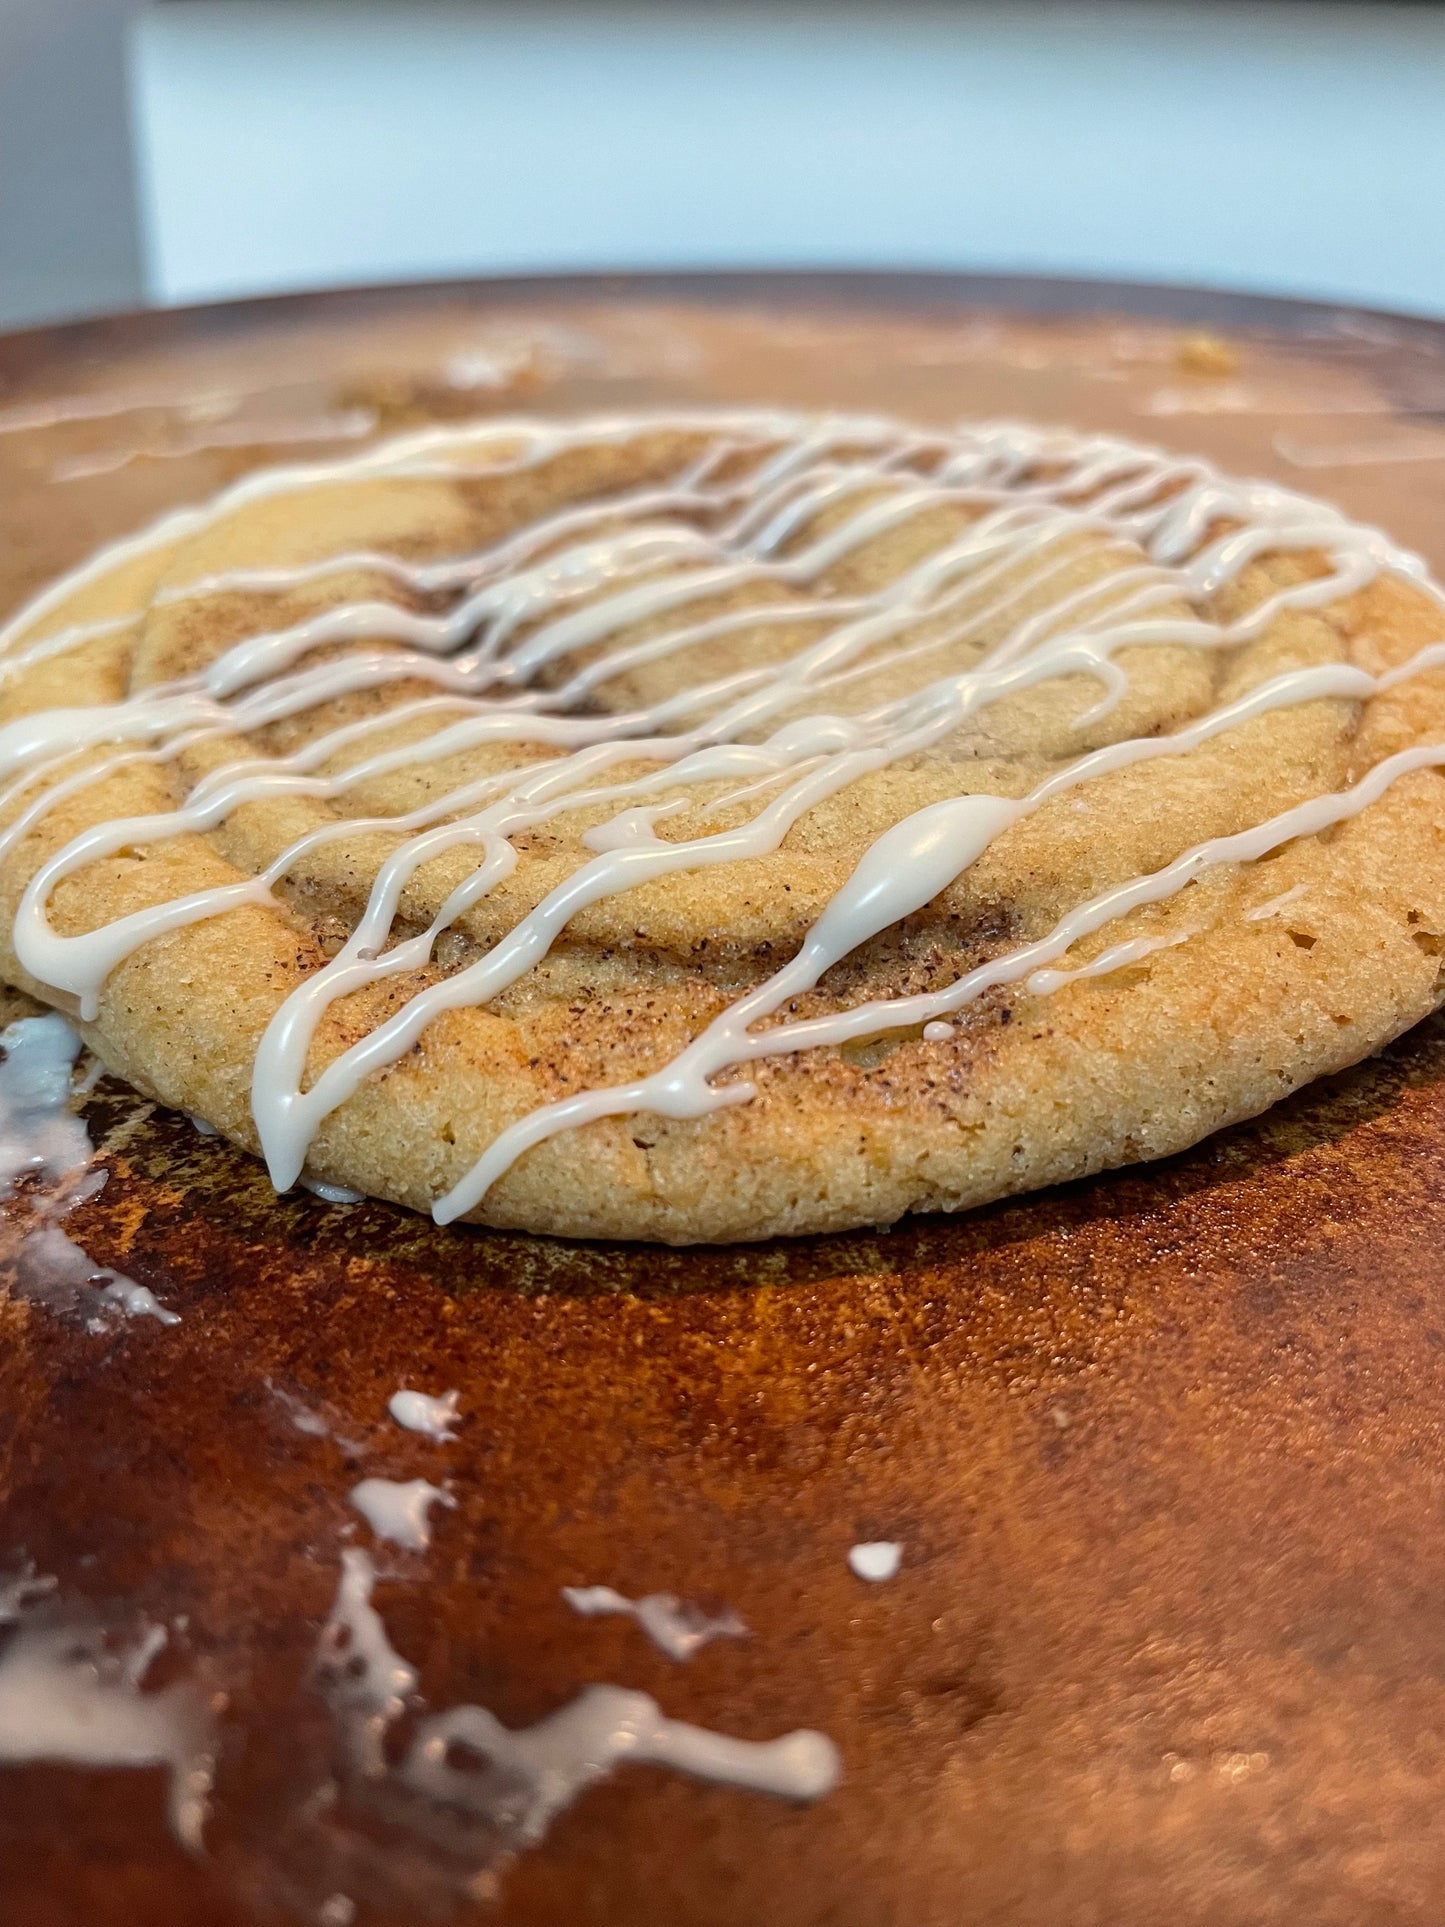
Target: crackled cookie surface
x=714, y=826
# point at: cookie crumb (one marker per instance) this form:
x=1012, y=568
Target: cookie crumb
x=1206, y=354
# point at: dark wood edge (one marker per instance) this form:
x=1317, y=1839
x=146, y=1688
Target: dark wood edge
x=27, y=353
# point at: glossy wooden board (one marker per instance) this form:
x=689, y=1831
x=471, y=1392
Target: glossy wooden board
x=1164, y=1451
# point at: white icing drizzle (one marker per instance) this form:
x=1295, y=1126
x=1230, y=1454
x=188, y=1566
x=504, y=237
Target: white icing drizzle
x=347, y=425
x=68, y=1694
x=1382, y=451
x=299, y=1413
x=30, y=418
x=329, y=1193
x=645, y=555
x=679, y=1628
x=366, y=1680
x=41, y=1136
x=1244, y=398
x=22, y=1590
x=90, y=1186
x=1118, y=956
x=515, y=1783
x=523, y=1780
x=399, y=1510
x=432, y=1416
x=84, y=1081
x=876, y=1559
x=39, y=1133
x=1272, y=906
x=51, y=1269
x=938, y=1032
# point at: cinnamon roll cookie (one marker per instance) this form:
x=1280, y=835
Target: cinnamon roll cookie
x=708, y=827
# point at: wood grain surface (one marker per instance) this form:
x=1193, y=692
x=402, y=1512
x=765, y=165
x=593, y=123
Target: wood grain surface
x=1164, y=1450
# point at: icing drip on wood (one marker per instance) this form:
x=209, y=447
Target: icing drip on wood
x=400, y=1509
x=52, y=1270
x=513, y=1783
x=875, y=1559
x=431, y=1415
x=679, y=1628
x=44, y=1139
x=40, y=1135
x=69, y=1694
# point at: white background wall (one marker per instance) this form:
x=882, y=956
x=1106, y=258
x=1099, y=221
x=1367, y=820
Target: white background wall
x=1291, y=147
x=68, y=235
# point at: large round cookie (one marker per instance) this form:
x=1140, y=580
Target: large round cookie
x=714, y=827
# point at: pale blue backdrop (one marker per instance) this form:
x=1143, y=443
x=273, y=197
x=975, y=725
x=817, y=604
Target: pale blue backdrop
x=1292, y=147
